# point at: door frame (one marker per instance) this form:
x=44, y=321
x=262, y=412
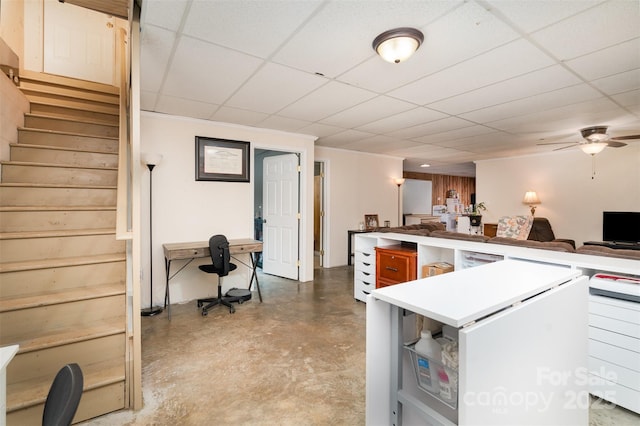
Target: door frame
x=305, y=199
x=325, y=226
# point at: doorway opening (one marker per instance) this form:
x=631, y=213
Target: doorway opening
x=277, y=211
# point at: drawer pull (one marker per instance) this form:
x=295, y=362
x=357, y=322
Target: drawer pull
x=366, y=283
x=366, y=264
x=391, y=269
x=366, y=292
x=366, y=254
x=366, y=273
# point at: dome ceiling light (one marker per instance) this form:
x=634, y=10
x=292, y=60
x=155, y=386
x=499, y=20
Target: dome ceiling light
x=398, y=45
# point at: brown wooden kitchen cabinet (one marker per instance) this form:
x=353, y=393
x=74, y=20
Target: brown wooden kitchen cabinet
x=395, y=264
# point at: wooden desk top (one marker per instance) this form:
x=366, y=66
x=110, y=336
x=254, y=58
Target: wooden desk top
x=173, y=251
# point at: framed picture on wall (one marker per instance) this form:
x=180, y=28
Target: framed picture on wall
x=222, y=160
x=371, y=221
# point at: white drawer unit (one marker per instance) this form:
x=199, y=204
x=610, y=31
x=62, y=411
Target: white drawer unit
x=364, y=270
x=614, y=343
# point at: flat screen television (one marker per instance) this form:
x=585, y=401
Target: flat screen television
x=621, y=227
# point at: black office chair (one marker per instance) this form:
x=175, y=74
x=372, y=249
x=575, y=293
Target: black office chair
x=64, y=396
x=220, y=258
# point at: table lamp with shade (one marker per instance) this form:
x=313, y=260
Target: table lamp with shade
x=531, y=199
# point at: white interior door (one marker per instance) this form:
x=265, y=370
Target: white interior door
x=281, y=218
x=78, y=42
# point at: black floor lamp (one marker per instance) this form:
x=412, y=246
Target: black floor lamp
x=151, y=160
x=399, y=182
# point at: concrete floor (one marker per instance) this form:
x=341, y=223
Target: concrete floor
x=298, y=358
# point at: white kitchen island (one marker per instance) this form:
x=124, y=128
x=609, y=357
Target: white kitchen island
x=522, y=332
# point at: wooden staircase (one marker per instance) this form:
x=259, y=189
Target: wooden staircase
x=62, y=271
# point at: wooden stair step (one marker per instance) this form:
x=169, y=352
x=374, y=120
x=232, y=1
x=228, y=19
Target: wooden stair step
x=55, y=233
x=70, y=102
x=58, y=80
x=44, y=194
x=25, y=172
x=70, y=93
x=62, y=155
x=43, y=108
x=57, y=297
x=67, y=139
x=85, y=127
x=57, y=166
x=29, y=265
x=33, y=392
x=63, y=148
x=54, y=208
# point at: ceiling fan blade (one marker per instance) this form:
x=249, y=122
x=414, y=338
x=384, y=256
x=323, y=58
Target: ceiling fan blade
x=558, y=143
x=625, y=138
x=565, y=147
x=615, y=144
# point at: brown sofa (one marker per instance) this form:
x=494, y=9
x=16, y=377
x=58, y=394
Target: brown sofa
x=541, y=231
x=540, y=237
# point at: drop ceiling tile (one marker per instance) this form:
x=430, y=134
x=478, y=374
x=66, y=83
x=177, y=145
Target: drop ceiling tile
x=557, y=98
x=320, y=130
x=630, y=100
x=476, y=31
x=482, y=70
x=605, y=25
x=264, y=91
x=569, y=117
x=238, y=116
x=379, y=144
x=541, y=81
x=207, y=73
x=533, y=15
x=444, y=125
x=166, y=14
x=231, y=23
x=340, y=34
x=343, y=138
x=368, y=111
x=419, y=115
x=177, y=106
x=325, y=101
x=613, y=60
x=156, y=45
x=449, y=138
x=623, y=82
x=283, y=123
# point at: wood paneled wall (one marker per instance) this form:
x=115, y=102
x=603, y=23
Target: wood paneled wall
x=440, y=184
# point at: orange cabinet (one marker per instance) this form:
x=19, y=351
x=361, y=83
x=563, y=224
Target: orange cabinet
x=395, y=264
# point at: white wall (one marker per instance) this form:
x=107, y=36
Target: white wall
x=570, y=199
x=416, y=196
x=188, y=210
x=356, y=184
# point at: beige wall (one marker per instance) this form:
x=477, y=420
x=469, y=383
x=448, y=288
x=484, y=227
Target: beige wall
x=188, y=210
x=571, y=200
x=356, y=184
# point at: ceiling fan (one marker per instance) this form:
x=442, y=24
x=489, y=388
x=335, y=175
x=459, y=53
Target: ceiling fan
x=595, y=140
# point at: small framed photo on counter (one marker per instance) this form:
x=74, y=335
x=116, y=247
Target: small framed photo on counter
x=222, y=160
x=371, y=221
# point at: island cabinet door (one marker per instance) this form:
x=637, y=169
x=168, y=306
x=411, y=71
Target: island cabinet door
x=528, y=363
x=395, y=265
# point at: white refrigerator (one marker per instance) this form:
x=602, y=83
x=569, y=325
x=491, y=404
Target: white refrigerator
x=522, y=347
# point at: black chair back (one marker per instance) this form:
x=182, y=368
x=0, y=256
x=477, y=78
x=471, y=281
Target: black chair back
x=64, y=396
x=220, y=255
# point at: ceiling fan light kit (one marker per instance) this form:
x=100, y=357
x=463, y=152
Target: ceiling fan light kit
x=593, y=148
x=398, y=44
